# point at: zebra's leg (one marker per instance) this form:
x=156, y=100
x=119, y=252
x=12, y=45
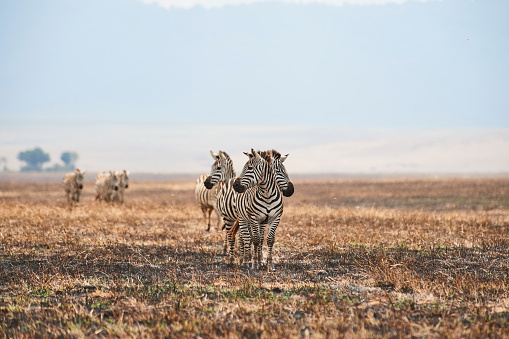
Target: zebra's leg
x=225, y=242
x=204, y=211
x=219, y=219
x=209, y=211
x=260, y=248
x=255, y=227
x=241, y=249
x=231, y=237
x=271, y=237
x=228, y=224
x=231, y=241
x=246, y=240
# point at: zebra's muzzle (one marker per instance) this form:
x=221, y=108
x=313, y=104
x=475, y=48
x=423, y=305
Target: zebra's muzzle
x=208, y=183
x=237, y=186
x=80, y=187
x=289, y=190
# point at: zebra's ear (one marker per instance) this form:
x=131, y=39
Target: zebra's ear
x=248, y=154
x=214, y=155
x=221, y=155
x=255, y=154
x=283, y=157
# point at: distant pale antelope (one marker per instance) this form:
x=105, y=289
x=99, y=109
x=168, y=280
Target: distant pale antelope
x=73, y=184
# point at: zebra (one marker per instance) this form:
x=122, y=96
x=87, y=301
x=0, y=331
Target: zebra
x=123, y=184
x=206, y=198
x=221, y=178
x=282, y=180
x=107, y=186
x=259, y=202
x=73, y=184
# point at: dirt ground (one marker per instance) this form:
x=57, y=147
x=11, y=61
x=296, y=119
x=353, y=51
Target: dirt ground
x=353, y=258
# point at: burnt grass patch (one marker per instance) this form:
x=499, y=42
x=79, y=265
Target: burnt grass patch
x=148, y=268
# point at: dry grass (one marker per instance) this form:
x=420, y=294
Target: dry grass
x=377, y=258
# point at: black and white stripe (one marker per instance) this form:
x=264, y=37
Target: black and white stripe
x=260, y=202
x=221, y=178
x=206, y=198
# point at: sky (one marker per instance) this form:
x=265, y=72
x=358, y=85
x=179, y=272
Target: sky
x=343, y=86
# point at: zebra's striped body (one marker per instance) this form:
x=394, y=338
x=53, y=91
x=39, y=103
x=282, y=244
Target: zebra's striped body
x=221, y=178
x=260, y=202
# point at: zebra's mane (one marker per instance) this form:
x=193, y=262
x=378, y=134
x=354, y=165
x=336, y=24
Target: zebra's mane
x=276, y=154
x=227, y=156
x=230, y=162
x=266, y=156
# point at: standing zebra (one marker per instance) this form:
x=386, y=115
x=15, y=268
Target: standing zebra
x=260, y=202
x=123, y=184
x=73, y=184
x=221, y=179
x=206, y=198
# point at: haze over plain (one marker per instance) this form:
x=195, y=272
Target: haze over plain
x=343, y=86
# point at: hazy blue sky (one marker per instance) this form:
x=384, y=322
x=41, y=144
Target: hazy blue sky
x=144, y=77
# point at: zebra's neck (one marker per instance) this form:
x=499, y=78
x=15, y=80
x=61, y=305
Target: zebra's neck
x=267, y=185
x=230, y=173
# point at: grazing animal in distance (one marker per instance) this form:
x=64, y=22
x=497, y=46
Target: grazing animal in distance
x=259, y=202
x=123, y=184
x=73, y=184
x=107, y=186
x=206, y=198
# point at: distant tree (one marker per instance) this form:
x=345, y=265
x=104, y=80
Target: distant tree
x=69, y=159
x=34, y=159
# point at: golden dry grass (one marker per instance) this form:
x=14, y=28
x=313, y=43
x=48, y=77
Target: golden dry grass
x=353, y=258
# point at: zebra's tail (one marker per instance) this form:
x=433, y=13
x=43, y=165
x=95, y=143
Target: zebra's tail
x=235, y=228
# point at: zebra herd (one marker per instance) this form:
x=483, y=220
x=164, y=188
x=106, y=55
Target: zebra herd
x=250, y=202
x=109, y=187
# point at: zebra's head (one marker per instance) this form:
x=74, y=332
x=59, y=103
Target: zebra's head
x=78, y=178
x=114, y=180
x=221, y=170
x=215, y=171
x=280, y=174
x=253, y=171
x=125, y=178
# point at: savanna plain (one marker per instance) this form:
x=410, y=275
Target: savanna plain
x=368, y=258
